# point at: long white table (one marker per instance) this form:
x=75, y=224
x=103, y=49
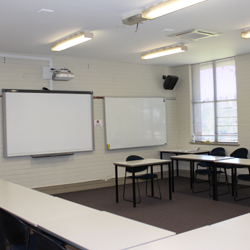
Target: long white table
x=104, y=231
x=204, y=238
x=34, y=206
x=239, y=224
x=78, y=225
x=234, y=163
x=180, y=152
x=201, y=158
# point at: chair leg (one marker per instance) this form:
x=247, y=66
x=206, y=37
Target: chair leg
x=3, y=240
x=160, y=197
x=124, y=186
x=195, y=181
x=236, y=191
x=225, y=183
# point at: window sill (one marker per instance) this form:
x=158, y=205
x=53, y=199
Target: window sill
x=216, y=143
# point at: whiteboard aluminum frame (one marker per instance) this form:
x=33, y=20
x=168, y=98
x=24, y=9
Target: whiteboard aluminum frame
x=5, y=139
x=126, y=147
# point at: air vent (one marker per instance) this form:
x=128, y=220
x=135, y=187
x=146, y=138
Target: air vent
x=194, y=35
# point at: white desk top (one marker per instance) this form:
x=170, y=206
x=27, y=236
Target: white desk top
x=204, y=238
x=239, y=224
x=144, y=162
x=197, y=157
x=103, y=230
x=235, y=161
x=78, y=225
x=185, y=151
x=35, y=207
x=8, y=185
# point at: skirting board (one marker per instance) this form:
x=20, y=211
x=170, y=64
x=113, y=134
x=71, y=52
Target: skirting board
x=74, y=187
x=67, y=188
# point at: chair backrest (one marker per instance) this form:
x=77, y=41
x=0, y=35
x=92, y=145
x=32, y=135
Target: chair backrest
x=240, y=153
x=135, y=158
x=45, y=243
x=218, y=149
x=218, y=153
x=16, y=231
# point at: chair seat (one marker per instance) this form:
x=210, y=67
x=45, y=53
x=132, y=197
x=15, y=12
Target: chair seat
x=203, y=171
x=203, y=164
x=144, y=176
x=32, y=244
x=244, y=177
x=147, y=176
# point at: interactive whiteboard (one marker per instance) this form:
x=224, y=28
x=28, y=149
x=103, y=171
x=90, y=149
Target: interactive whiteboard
x=47, y=122
x=135, y=122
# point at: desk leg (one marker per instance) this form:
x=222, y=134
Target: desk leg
x=234, y=176
x=170, y=180
x=161, y=166
x=152, y=182
x=116, y=184
x=177, y=167
x=172, y=174
x=191, y=174
x=215, y=186
x=134, y=196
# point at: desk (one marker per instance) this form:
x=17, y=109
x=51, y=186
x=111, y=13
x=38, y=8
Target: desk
x=78, y=225
x=198, y=158
x=234, y=162
x=35, y=207
x=180, y=152
x=239, y=224
x=205, y=238
x=8, y=185
x=103, y=230
x=141, y=163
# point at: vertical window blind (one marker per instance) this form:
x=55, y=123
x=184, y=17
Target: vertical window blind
x=215, y=101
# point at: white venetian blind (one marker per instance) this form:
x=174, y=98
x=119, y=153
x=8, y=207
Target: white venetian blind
x=215, y=101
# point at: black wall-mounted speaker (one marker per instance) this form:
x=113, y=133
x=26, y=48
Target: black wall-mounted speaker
x=169, y=81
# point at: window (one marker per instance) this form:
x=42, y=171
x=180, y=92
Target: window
x=215, y=101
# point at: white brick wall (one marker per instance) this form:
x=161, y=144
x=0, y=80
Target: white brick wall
x=104, y=79
x=111, y=79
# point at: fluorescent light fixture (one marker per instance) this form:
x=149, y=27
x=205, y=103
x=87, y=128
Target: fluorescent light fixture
x=167, y=7
x=73, y=40
x=164, y=51
x=245, y=33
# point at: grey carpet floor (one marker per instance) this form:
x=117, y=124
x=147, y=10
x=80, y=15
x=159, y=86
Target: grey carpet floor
x=184, y=212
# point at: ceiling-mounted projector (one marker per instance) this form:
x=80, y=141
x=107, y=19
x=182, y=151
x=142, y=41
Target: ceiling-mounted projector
x=62, y=74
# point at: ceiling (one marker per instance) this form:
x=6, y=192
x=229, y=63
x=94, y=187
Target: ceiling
x=24, y=30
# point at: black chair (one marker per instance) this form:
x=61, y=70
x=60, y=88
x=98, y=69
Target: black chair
x=221, y=170
x=204, y=171
x=213, y=151
x=240, y=153
x=17, y=232
x=2, y=238
x=44, y=242
x=204, y=168
x=144, y=176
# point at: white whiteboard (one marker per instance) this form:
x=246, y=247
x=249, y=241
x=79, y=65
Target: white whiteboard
x=47, y=122
x=135, y=122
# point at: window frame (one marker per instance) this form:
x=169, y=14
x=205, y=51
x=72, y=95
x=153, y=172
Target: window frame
x=215, y=102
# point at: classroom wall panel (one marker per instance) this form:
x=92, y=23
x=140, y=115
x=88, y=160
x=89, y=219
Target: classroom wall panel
x=104, y=79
